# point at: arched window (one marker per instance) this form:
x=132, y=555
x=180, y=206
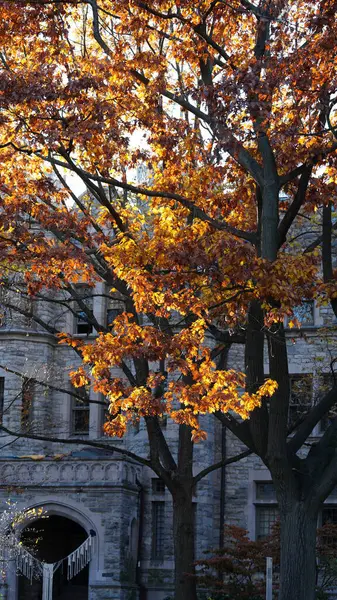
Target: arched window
x=134, y=534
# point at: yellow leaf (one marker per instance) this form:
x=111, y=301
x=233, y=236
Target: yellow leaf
x=34, y=456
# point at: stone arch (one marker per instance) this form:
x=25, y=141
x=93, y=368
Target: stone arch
x=64, y=509
x=71, y=510
x=52, y=540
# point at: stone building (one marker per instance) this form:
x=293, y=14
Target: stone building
x=91, y=492
x=83, y=491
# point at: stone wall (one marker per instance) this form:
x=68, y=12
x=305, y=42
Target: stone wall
x=104, y=491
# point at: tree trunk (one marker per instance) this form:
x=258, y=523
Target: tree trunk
x=298, y=552
x=183, y=533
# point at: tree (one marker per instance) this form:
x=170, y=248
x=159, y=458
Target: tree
x=11, y=521
x=238, y=569
x=178, y=476
x=235, y=103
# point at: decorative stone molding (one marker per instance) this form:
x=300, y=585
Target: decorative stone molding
x=65, y=473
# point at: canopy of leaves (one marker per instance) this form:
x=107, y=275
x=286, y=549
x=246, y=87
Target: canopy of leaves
x=217, y=103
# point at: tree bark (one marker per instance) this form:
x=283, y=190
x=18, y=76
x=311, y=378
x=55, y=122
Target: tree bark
x=298, y=552
x=183, y=533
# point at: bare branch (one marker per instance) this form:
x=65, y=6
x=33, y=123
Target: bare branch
x=221, y=463
x=108, y=447
x=71, y=393
x=295, y=206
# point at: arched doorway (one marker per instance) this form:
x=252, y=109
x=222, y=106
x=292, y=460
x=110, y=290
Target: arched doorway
x=51, y=539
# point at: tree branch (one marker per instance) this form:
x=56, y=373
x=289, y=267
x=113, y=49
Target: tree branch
x=313, y=160
x=164, y=453
x=296, y=204
x=314, y=416
x=240, y=430
x=93, y=444
x=221, y=463
x=186, y=202
x=51, y=387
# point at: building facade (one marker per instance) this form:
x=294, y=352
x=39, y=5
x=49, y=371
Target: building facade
x=83, y=490
x=87, y=491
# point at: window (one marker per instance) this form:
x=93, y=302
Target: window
x=114, y=308
x=329, y=515
x=265, y=491
x=80, y=411
x=304, y=313
x=158, y=486
x=112, y=313
x=82, y=324
x=134, y=537
x=300, y=397
x=158, y=529
x=267, y=513
x=27, y=403
x=266, y=510
x=266, y=516
x=2, y=398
